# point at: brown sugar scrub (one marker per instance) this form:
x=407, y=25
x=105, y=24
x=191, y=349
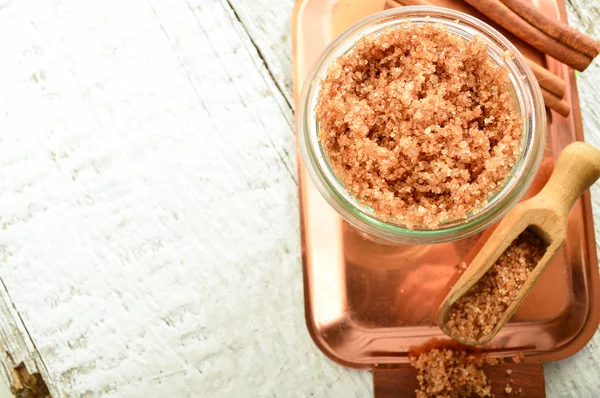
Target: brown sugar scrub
x=419, y=125
x=476, y=313
x=451, y=374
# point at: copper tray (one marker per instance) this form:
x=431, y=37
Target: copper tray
x=368, y=303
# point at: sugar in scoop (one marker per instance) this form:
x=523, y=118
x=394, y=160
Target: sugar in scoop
x=477, y=313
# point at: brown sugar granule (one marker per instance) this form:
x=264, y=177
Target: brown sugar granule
x=419, y=125
x=518, y=358
x=451, y=374
x=477, y=312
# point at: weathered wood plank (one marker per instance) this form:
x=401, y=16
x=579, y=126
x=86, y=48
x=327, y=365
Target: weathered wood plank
x=148, y=201
x=268, y=24
x=148, y=211
x=18, y=350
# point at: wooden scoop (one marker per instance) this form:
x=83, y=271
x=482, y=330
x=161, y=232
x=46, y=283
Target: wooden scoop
x=577, y=167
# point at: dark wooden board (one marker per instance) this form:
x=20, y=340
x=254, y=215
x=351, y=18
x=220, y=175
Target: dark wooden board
x=401, y=381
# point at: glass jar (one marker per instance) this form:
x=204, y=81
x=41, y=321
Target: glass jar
x=526, y=91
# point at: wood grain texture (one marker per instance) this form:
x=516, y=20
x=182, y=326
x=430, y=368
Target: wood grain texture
x=148, y=206
x=402, y=382
x=19, y=356
x=267, y=24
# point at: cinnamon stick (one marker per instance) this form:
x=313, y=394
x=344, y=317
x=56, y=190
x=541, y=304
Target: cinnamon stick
x=399, y=3
x=547, y=79
x=503, y=16
x=556, y=29
x=553, y=87
x=551, y=101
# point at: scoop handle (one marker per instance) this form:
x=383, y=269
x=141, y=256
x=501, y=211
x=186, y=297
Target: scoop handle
x=577, y=168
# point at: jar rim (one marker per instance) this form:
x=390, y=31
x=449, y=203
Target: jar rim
x=530, y=103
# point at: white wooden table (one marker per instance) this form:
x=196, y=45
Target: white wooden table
x=149, y=242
